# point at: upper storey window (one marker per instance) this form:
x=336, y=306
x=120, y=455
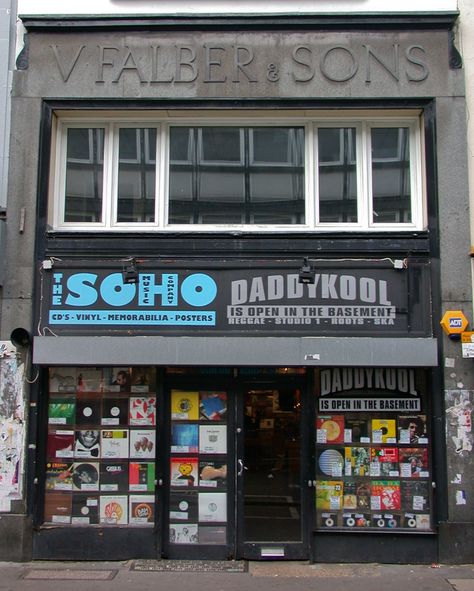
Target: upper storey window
x=264, y=176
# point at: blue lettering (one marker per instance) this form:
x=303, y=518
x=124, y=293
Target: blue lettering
x=199, y=289
x=168, y=289
x=115, y=292
x=82, y=292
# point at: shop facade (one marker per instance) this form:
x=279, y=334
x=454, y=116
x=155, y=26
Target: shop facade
x=238, y=285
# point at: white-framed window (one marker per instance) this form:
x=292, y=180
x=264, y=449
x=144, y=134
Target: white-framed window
x=265, y=173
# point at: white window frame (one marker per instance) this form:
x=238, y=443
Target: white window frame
x=111, y=123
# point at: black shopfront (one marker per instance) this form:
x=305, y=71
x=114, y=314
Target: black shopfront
x=258, y=441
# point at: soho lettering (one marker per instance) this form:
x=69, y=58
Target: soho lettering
x=326, y=286
x=85, y=289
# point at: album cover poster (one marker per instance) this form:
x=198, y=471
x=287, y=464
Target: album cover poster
x=330, y=462
x=114, y=443
x=358, y=428
x=357, y=461
x=184, y=405
x=386, y=461
x=61, y=411
x=385, y=428
x=114, y=476
x=89, y=380
x=184, y=471
x=120, y=380
x=184, y=533
x=413, y=462
x=57, y=507
x=87, y=411
x=58, y=476
x=87, y=444
x=143, y=379
x=349, y=499
x=385, y=495
x=212, y=406
x=142, y=476
x=212, y=439
x=141, y=510
x=114, y=509
x=142, y=410
x=412, y=429
x=183, y=506
x=330, y=429
x=62, y=379
x=415, y=495
x=114, y=411
x=216, y=534
x=329, y=495
x=363, y=492
x=85, y=509
x=142, y=443
x=213, y=506
x=212, y=473
x=85, y=476
x=60, y=444
x=184, y=438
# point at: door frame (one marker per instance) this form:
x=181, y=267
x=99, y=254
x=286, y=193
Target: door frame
x=235, y=385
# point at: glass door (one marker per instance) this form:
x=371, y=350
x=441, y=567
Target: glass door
x=272, y=489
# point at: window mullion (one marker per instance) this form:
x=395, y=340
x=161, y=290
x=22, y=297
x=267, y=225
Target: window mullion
x=365, y=172
x=110, y=191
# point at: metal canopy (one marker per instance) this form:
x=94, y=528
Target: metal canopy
x=236, y=351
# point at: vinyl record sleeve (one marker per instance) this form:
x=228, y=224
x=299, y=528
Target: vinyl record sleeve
x=329, y=494
x=212, y=439
x=61, y=411
x=212, y=473
x=213, y=506
x=62, y=379
x=57, y=507
x=387, y=495
x=184, y=471
x=183, y=506
x=184, y=533
x=114, y=509
x=330, y=428
x=89, y=380
x=142, y=410
x=184, y=405
x=212, y=406
x=114, y=476
x=88, y=411
x=114, y=412
x=60, y=444
x=141, y=510
x=85, y=476
x=87, y=444
x=216, y=534
x=114, y=443
x=184, y=438
x=58, y=476
x=142, y=476
x=85, y=509
x=142, y=444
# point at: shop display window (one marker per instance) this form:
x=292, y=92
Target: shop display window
x=373, y=468
x=101, y=446
x=198, y=468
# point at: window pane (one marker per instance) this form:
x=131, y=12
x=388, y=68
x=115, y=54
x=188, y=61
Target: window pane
x=84, y=175
x=337, y=175
x=236, y=175
x=391, y=175
x=136, y=175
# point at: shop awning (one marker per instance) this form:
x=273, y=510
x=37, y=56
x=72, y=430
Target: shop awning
x=236, y=351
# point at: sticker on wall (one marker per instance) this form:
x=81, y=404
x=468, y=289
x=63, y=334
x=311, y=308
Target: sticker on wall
x=459, y=420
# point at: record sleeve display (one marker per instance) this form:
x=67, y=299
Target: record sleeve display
x=373, y=461
x=101, y=447
x=198, y=468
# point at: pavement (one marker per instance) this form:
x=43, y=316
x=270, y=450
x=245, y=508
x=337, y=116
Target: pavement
x=168, y=575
